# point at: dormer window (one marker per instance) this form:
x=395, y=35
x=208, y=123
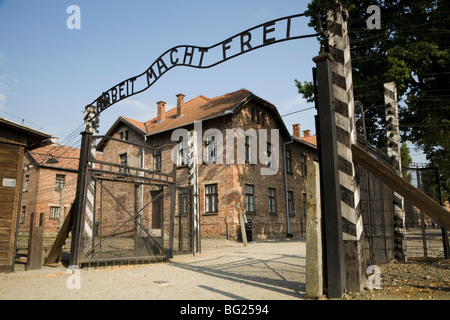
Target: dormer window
x=124, y=135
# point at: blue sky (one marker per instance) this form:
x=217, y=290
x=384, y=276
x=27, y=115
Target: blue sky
x=49, y=73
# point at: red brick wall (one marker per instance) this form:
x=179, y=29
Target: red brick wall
x=231, y=179
x=41, y=195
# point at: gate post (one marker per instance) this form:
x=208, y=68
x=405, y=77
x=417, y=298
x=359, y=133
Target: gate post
x=79, y=197
x=314, y=266
x=393, y=150
x=343, y=103
x=333, y=263
x=83, y=220
x=90, y=124
x=194, y=156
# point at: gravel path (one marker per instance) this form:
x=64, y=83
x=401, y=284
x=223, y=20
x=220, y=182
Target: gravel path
x=225, y=270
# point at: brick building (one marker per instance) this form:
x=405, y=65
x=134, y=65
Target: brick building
x=230, y=179
x=50, y=178
x=15, y=140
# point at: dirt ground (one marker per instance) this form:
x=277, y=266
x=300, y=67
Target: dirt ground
x=417, y=279
x=225, y=270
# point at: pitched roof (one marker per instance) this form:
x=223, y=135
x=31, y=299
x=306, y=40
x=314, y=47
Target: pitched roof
x=139, y=125
x=199, y=108
x=310, y=139
x=305, y=142
x=67, y=157
x=12, y=132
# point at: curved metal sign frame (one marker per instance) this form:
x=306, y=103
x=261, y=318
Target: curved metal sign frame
x=274, y=31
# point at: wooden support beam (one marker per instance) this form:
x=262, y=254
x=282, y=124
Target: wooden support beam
x=401, y=186
x=60, y=238
x=35, y=242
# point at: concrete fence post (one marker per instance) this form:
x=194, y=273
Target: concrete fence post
x=314, y=271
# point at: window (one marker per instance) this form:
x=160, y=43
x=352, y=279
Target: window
x=54, y=213
x=272, y=200
x=249, y=198
x=124, y=135
x=304, y=204
x=247, y=149
x=290, y=201
x=59, y=183
x=303, y=165
x=211, y=149
x=183, y=202
x=269, y=154
x=156, y=160
x=123, y=163
x=26, y=183
x=211, y=198
x=23, y=214
x=183, y=153
x=288, y=161
x=182, y=158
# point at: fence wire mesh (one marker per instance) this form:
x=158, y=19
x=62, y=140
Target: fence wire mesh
x=424, y=237
x=130, y=204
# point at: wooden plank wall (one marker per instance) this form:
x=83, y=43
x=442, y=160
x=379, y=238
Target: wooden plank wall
x=11, y=161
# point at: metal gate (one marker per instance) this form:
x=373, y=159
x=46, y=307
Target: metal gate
x=128, y=208
x=185, y=221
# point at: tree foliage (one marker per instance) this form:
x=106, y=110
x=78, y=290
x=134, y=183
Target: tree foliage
x=412, y=49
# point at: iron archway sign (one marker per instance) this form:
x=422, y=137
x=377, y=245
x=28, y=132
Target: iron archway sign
x=274, y=31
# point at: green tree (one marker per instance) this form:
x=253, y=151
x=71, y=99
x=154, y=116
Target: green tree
x=412, y=49
x=406, y=161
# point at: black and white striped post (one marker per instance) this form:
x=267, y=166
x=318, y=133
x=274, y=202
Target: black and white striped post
x=82, y=230
x=393, y=150
x=194, y=159
x=344, y=107
x=90, y=125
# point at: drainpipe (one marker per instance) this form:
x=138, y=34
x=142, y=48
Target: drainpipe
x=288, y=235
x=142, y=188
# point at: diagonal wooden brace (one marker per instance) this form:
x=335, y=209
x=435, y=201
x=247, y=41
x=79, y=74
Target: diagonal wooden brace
x=401, y=186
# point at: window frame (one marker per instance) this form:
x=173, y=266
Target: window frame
x=303, y=161
x=247, y=149
x=288, y=161
x=249, y=196
x=272, y=200
x=211, y=198
x=157, y=160
x=291, y=203
x=54, y=215
x=23, y=213
x=124, y=135
x=269, y=155
x=211, y=147
x=60, y=180
x=184, y=207
x=123, y=164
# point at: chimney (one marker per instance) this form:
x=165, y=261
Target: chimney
x=161, y=111
x=180, y=104
x=55, y=141
x=296, y=130
x=306, y=133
